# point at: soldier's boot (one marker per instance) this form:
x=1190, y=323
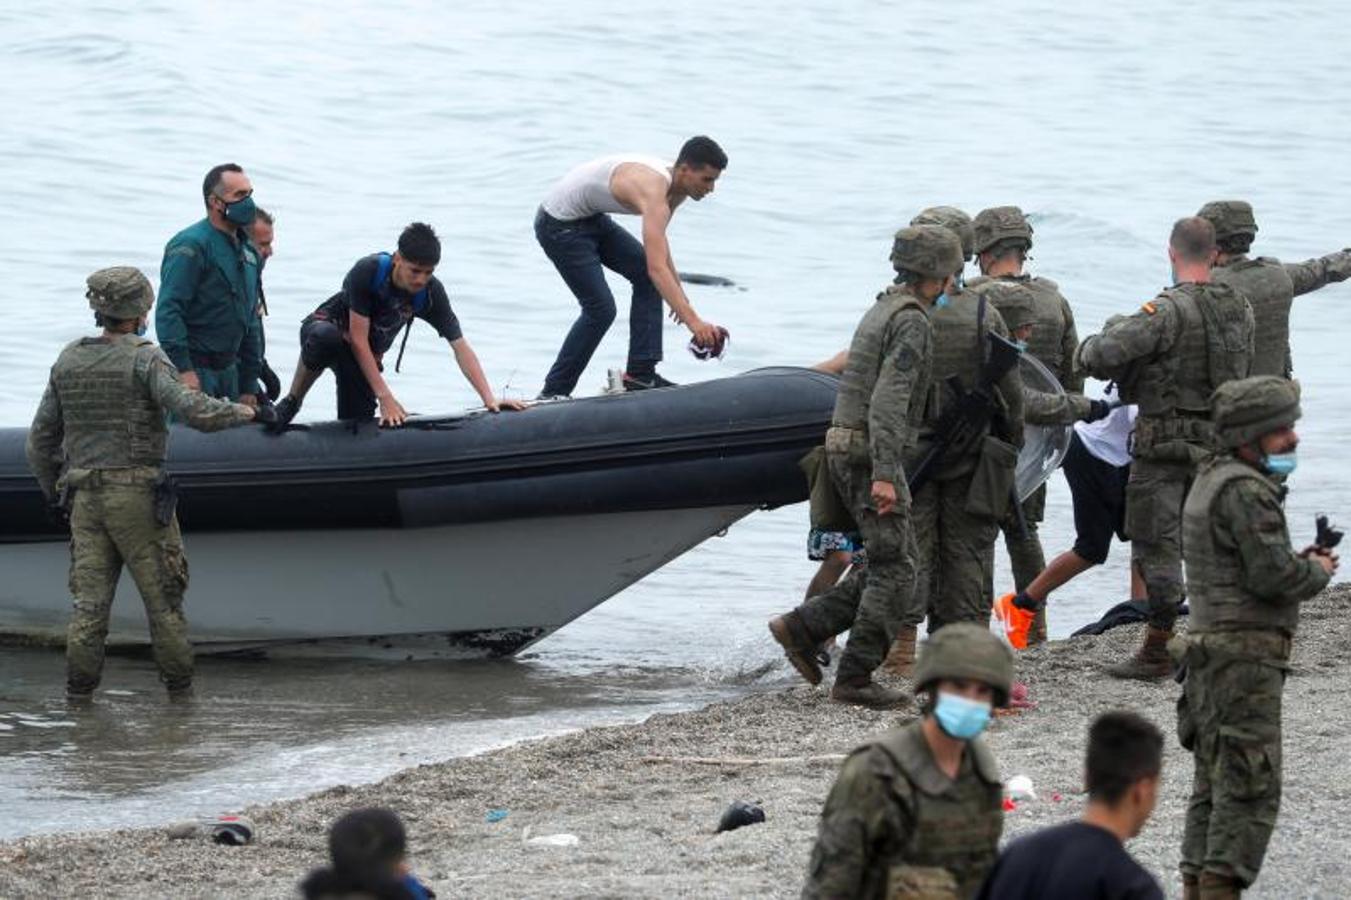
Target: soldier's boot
x=1036, y=633
x=179, y=690
x=901, y=657
x=870, y=694
x=1150, y=662
x=792, y=635
x=1214, y=886
x=1191, y=887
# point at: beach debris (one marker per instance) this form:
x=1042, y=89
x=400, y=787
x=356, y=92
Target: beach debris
x=822, y=758
x=740, y=813
x=495, y=815
x=232, y=831
x=554, y=840
x=1009, y=804
x=1019, y=787
x=1056, y=798
x=181, y=831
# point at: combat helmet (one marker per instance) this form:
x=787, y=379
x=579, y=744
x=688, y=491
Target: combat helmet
x=954, y=220
x=928, y=250
x=1015, y=302
x=1001, y=223
x=120, y=292
x=1230, y=218
x=1248, y=408
x=965, y=650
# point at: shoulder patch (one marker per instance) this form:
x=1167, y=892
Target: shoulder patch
x=1149, y=307
x=180, y=250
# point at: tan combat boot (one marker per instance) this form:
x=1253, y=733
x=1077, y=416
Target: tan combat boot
x=870, y=694
x=901, y=657
x=1151, y=661
x=791, y=634
x=1191, y=887
x=1214, y=886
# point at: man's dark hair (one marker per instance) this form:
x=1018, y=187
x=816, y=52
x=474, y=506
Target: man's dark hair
x=109, y=322
x=419, y=244
x=702, y=151
x=212, y=179
x=1122, y=749
x=1235, y=244
x=264, y=216
x=1193, y=239
x=1006, y=247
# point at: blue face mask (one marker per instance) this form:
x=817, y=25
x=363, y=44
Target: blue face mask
x=941, y=301
x=961, y=282
x=1280, y=463
x=1172, y=276
x=241, y=212
x=141, y=329
x=959, y=717
x=1020, y=344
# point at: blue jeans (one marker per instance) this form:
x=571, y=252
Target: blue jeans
x=579, y=250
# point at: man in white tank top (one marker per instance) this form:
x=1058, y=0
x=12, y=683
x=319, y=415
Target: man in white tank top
x=574, y=227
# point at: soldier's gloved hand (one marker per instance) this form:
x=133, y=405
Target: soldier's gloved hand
x=1098, y=409
x=57, y=514
x=265, y=414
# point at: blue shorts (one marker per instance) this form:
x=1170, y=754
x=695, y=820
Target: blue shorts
x=821, y=544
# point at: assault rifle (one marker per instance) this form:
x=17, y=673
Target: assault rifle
x=966, y=420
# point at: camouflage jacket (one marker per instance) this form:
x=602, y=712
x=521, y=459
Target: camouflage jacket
x=894, y=825
x=104, y=408
x=1055, y=336
x=1242, y=572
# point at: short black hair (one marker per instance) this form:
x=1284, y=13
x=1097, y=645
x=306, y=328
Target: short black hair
x=1123, y=748
x=419, y=244
x=1193, y=238
x=700, y=151
x=102, y=320
x=212, y=179
x=1005, y=247
x=1235, y=244
x=366, y=839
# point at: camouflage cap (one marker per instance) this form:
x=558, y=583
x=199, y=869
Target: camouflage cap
x=929, y=250
x=1000, y=223
x=954, y=220
x=120, y=292
x=1016, y=304
x=965, y=650
x=1248, y=408
x=1230, y=217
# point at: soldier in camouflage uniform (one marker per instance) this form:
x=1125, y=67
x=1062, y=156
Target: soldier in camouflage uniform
x=916, y=814
x=98, y=442
x=956, y=546
x=1003, y=237
x=1169, y=358
x=882, y=398
x=1245, y=584
x=1269, y=284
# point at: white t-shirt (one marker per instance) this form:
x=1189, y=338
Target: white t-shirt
x=1109, y=439
x=585, y=190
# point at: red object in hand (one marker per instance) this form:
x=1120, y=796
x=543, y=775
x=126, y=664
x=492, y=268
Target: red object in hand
x=714, y=352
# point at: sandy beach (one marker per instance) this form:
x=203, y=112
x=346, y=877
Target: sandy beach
x=643, y=800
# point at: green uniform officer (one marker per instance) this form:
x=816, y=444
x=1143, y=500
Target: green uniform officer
x=1244, y=584
x=956, y=536
x=1169, y=358
x=879, y=407
x=98, y=442
x=916, y=814
x=1003, y=237
x=207, y=320
x=1270, y=285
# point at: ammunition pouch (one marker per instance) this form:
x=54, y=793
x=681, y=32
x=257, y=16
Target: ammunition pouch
x=1176, y=438
x=852, y=443
x=828, y=511
x=992, y=481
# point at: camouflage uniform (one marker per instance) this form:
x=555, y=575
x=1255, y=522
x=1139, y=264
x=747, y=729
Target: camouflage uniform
x=1052, y=343
x=1168, y=358
x=881, y=402
x=895, y=825
x=1245, y=584
x=99, y=435
x=1270, y=285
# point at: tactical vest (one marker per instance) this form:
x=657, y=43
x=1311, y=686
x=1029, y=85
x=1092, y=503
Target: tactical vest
x=867, y=352
x=958, y=350
x=1269, y=289
x=1219, y=599
x=1047, y=341
x=1213, y=345
x=108, y=416
x=956, y=829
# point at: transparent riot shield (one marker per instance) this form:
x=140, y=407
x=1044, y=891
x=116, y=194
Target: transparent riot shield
x=1044, y=446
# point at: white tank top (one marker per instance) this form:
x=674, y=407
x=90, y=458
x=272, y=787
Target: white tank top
x=585, y=190
x=1109, y=439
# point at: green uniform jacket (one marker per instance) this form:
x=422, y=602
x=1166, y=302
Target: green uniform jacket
x=208, y=301
x=893, y=817
x=104, y=409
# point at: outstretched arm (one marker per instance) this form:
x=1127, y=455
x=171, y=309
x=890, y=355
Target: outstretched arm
x=1313, y=274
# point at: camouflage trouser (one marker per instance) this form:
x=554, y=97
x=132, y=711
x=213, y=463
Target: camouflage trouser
x=1155, y=494
x=1232, y=709
x=112, y=525
x=956, y=554
x=1025, y=553
x=871, y=604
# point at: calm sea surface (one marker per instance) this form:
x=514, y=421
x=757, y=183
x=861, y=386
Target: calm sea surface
x=841, y=121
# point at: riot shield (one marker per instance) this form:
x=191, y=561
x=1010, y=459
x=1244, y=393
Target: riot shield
x=1044, y=446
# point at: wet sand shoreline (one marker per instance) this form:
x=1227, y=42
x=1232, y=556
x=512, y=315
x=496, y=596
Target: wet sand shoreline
x=643, y=800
